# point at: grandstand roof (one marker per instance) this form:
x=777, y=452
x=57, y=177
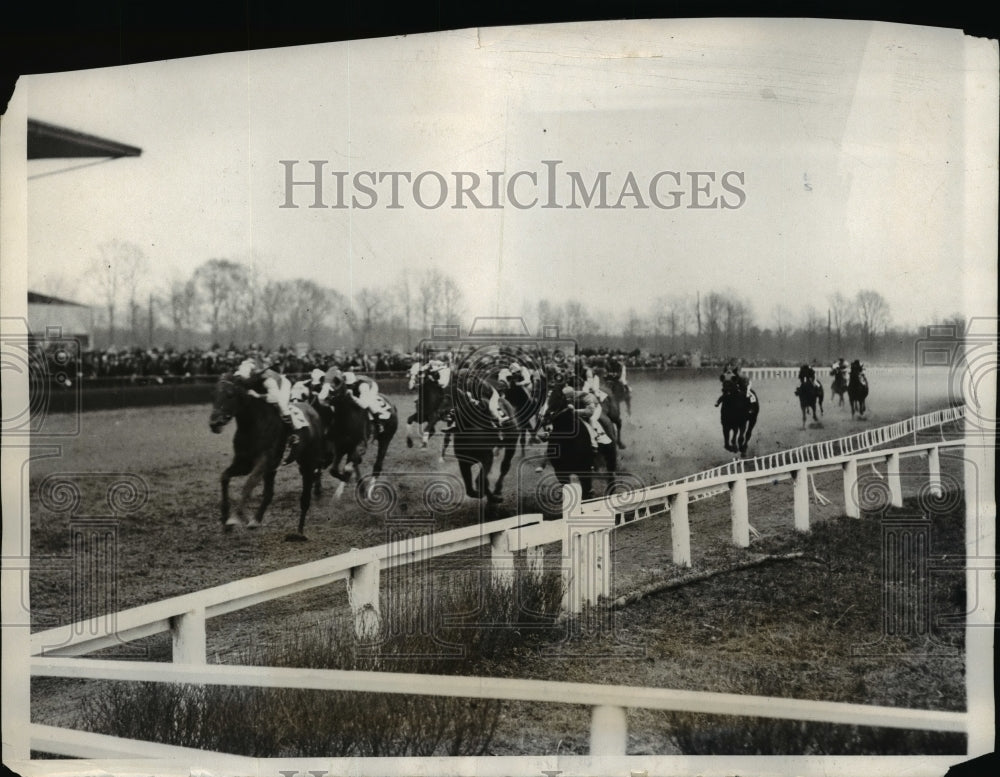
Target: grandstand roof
x=35, y=298
x=50, y=141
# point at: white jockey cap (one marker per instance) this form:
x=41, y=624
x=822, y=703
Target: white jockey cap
x=316, y=375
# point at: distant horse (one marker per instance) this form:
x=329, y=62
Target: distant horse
x=476, y=438
x=810, y=394
x=857, y=389
x=258, y=445
x=570, y=450
x=738, y=415
x=350, y=434
x=433, y=404
x=839, y=385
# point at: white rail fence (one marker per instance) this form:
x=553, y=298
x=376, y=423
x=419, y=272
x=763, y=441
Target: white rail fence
x=584, y=534
x=822, y=370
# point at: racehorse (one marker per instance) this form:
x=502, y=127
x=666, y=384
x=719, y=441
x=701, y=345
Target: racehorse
x=259, y=442
x=350, y=433
x=810, y=393
x=431, y=407
x=475, y=440
x=857, y=389
x=570, y=450
x=839, y=385
x=738, y=415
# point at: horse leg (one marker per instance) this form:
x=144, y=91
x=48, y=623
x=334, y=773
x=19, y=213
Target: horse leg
x=444, y=446
x=227, y=522
x=305, y=498
x=485, y=465
x=268, y=474
x=465, y=467
x=508, y=457
x=409, y=430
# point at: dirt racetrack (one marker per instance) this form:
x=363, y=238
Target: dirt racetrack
x=167, y=463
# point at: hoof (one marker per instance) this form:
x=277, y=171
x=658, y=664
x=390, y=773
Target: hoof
x=409, y=443
x=253, y=524
x=621, y=446
x=227, y=528
x=440, y=459
x=472, y=494
x=231, y=522
x=494, y=498
x=296, y=537
x=539, y=469
x=423, y=444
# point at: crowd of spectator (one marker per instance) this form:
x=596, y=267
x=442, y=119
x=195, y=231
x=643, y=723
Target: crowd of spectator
x=65, y=363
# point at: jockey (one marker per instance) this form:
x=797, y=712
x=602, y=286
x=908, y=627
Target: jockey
x=615, y=370
x=277, y=391
x=586, y=405
x=484, y=393
x=516, y=375
x=592, y=383
x=840, y=369
x=362, y=389
x=733, y=373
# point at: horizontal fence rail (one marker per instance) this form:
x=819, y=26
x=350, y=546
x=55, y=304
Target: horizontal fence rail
x=608, y=702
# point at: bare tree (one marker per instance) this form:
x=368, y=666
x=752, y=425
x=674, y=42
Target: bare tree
x=841, y=316
x=117, y=269
x=873, y=316
x=813, y=329
x=404, y=293
x=364, y=315
x=275, y=296
x=782, y=318
x=182, y=302
x=451, y=300
x=429, y=299
x=712, y=310
x=215, y=280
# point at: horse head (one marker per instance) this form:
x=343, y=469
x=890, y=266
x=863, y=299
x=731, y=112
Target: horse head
x=230, y=394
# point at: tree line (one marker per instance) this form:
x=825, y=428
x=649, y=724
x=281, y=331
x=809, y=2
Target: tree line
x=225, y=301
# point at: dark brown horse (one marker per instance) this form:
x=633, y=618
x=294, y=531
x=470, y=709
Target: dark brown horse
x=857, y=389
x=258, y=445
x=810, y=394
x=740, y=409
x=476, y=439
x=350, y=433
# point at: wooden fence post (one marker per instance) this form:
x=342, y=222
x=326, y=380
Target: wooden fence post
x=740, y=509
x=851, y=507
x=502, y=557
x=800, y=481
x=934, y=471
x=680, y=530
x=188, y=637
x=895, y=484
x=363, y=595
x=608, y=731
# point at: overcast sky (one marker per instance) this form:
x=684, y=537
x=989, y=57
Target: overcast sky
x=844, y=142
